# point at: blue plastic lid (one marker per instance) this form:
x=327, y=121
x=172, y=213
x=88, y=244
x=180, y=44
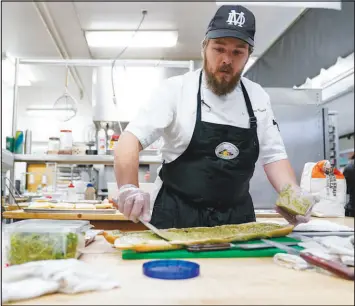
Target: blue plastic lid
x=171, y=269
x=89, y=185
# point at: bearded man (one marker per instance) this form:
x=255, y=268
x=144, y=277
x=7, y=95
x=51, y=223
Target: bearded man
x=215, y=125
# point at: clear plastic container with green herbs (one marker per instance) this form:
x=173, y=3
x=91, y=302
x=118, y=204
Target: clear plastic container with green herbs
x=33, y=240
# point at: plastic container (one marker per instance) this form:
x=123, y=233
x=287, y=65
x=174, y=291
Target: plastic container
x=171, y=269
x=53, y=145
x=10, y=143
x=71, y=193
x=66, y=142
x=33, y=240
x=102, y=143
x=90, y=192
x=113, y=141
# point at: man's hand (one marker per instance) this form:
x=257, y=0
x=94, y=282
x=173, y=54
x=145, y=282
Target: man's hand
x=133, y=203
x=300, y=196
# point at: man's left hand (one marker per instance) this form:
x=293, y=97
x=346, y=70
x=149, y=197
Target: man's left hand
x=301, y=195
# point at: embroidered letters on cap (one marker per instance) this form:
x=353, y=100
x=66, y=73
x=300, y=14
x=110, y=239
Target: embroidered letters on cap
x=233, y=19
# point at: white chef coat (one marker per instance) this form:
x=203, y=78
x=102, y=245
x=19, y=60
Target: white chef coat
x=171, y=114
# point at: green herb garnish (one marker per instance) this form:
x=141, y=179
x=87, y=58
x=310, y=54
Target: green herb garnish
x=25, y=247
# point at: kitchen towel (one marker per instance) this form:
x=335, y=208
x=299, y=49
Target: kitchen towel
x=330, y=247
x=37, y=278
x=317, y=225
x=321, y=225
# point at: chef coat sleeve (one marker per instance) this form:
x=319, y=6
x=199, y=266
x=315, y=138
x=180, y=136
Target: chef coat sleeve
x=154, y=115
x=272, y=147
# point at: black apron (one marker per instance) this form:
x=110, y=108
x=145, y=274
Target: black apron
x=208, y=184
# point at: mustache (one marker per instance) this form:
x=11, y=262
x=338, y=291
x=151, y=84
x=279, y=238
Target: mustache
x=226, y=68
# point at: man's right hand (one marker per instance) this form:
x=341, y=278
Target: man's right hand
x=133, y=203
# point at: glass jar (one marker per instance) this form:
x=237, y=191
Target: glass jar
x=53, y=145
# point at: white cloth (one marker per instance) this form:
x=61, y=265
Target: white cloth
x=321, y=226
x=37, y=278
x=314, y=225
x=331, y=247
x=171, y=114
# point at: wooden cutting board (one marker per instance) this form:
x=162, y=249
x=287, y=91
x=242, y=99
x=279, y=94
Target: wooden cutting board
x=232, y=253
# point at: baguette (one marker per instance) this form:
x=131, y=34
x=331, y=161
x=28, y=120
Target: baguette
x=147, y=241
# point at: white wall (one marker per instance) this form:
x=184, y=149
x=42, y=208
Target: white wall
x=344, y=105
x=44, y=127
x=346, y=144
x=6, y=113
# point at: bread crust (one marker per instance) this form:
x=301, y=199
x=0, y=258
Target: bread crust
x=147, y=241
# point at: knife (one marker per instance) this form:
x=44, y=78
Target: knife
x=228, y=246
x=153, y=229
x=148, y=225
x=332, y=266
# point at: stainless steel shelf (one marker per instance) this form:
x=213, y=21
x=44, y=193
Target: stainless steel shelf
x=7, y=160
x=81, y=159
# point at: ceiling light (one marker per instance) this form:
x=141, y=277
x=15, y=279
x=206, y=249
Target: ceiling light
x=336, y=5
x=40, y=111
x=333, y=81
x=141, y=39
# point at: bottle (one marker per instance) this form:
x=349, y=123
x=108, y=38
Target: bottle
x=113, y=142
x=18, y=144
x=71, y=193
x=28, y=142
x=44, y=183
x=102, y=144
x=147, y=177
x=90, y=192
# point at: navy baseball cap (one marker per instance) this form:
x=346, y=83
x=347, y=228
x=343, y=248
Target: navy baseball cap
x=232, y=21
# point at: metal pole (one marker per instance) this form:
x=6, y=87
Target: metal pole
x=14, y=120
x=15, y=98
x=97, y=63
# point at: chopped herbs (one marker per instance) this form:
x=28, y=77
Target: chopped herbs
x=25, y=247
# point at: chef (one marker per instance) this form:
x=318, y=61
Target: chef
x=214, y=125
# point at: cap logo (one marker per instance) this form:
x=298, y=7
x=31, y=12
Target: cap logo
x=233, y=19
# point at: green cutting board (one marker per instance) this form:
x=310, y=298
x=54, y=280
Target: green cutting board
x=129, y=254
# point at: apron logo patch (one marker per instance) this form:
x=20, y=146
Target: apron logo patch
x=226, y=150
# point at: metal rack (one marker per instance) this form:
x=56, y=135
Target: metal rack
x=333, y=138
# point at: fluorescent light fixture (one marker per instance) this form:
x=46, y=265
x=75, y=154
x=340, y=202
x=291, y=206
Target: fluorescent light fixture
x=25, y=75
x=338, y=88
x=40, y=111
x=335, y=5
x=335, y=80
x=141, y=39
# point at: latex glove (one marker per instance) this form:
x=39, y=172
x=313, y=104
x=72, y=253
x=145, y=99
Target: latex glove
x=300, y=195
x=133, y=203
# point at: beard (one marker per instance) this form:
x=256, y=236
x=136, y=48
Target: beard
x=221, y=87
